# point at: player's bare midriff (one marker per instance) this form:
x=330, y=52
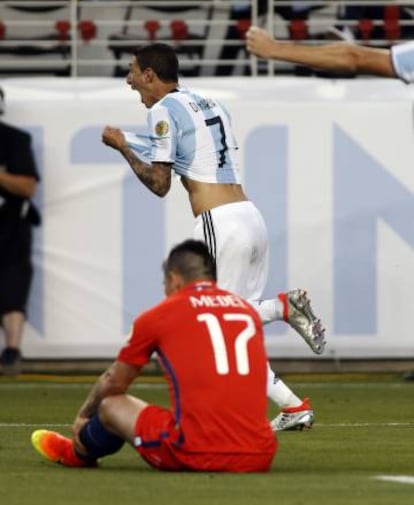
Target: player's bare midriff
x=206, y=196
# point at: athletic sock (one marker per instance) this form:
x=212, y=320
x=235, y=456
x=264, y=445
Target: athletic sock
x=98, y=441
x=279, y=392
x=269, y=310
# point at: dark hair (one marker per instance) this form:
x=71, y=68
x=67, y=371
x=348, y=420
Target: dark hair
x=161, y=58
x=192, y=260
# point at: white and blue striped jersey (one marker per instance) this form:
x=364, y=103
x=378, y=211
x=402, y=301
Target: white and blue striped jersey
x=193, y=133
x=402, y=56
x=140, y=144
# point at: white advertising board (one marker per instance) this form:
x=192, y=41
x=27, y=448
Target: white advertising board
x=329, y=163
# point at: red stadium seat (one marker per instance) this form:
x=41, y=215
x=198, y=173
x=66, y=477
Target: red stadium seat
x=2, y=30
x=63, y=28
x=87, y=30
x=392, y=27
x=242, y=27
x=179, y=30
x=392, y=12
x=298, y=29
x=152, y=26
x=365, y=28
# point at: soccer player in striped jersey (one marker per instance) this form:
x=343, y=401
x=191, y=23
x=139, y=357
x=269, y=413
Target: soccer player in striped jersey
x=190, y=134
x=398, y=61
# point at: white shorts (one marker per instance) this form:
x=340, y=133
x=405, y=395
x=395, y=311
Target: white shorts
x=237, y=238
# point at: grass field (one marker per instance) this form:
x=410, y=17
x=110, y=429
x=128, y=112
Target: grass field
x=364, y=429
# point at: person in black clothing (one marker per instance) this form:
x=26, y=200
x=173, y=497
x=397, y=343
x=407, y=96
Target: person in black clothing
x=18, y=182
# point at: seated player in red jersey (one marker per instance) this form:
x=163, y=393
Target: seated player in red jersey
x=217, y=419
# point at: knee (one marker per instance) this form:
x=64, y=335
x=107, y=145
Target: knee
x=106, y=409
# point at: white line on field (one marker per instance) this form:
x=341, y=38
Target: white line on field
x=403, y=479
x=354, y=385
x=363, y=425
x=73, y=385
x=32, y=425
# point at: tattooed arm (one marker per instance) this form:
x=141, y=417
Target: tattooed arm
x=114, y=381
x=156, y=177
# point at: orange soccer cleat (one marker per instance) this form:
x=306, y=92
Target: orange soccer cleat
x=57, y=448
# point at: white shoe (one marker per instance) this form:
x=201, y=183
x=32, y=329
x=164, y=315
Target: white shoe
x=294, y=418
x=299, y=314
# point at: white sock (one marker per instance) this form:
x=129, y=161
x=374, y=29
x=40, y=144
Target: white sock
x=279, y=392
x=269, y=310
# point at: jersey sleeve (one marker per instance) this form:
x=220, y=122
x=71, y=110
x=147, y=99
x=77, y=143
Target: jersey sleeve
x=402, y=57
x=140, y=144
x=163, y=135
x=142, y=341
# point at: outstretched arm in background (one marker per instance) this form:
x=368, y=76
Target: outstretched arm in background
x=341, y=57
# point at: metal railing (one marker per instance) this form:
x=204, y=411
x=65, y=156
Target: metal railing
x=96, y=37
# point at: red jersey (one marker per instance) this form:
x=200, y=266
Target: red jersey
x=211, y=346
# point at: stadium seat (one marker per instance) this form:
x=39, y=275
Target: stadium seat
x=63, y=29
x=298, y=29
x=53, y=42
x=2, y=30
x=242, y=27
x=193, y=52
x=87, y=30
x=179, y=30
x=392, y=12
x=151, y=27
x=365, y=29
x=392, y=27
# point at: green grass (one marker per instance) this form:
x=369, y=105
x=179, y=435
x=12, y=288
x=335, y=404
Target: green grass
x=362, y=429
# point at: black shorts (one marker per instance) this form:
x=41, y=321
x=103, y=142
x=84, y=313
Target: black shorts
x=15, y=280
